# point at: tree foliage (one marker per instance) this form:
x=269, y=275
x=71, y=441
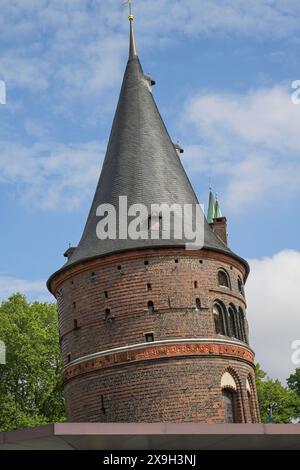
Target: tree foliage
x=30, y=381
x=284, y=400
x=31, y=390
x=294, y=381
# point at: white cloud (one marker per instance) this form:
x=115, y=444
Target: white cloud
x=62, y=47
x=79, y=43
x=69, y=50
x=266, y=117
x=34, y=290
x=251, y=139
x=50, y=175
x=262, y=17
x=273, y=311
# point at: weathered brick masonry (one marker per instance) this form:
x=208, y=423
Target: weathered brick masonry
x=170, y=386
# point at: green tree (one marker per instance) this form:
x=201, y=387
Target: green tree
x=30, y=381
x=294, y=382
x=286, y=401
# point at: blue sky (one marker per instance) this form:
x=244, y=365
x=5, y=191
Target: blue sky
x=223, y=71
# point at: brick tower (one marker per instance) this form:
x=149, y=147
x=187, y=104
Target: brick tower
x=149, y=330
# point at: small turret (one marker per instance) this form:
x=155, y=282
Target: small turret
x=215, y=218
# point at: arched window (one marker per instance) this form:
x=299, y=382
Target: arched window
x=229, y=405
x=249, y=389
x=250, y=404
x=223, y=278
x=232, y=322
x=240, y=286
x=198, y=304
x=150, y=307
x=243, y=326
x=218, y=313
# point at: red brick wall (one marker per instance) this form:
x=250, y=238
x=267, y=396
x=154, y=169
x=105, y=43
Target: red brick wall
x=81, y=295
x=171, y=390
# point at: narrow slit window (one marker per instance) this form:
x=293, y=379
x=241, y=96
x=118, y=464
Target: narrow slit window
x=102, y=405
x=149, y=337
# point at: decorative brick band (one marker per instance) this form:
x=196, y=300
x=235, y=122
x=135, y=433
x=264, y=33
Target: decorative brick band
x=157, y=352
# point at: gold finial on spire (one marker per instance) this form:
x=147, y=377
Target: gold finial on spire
x=132, y=47
x=130, y=16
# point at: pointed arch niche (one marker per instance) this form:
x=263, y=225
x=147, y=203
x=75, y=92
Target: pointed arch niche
x=231, y=398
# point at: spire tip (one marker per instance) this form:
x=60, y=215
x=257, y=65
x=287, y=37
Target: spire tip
x=132, y=47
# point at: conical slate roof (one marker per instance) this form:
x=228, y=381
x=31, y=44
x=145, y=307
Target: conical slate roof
x=141, y=163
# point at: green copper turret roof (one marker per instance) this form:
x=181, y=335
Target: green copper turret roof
x=211, y=208
x=218, y=212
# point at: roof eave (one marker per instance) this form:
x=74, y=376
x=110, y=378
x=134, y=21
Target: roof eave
x=68, y=265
